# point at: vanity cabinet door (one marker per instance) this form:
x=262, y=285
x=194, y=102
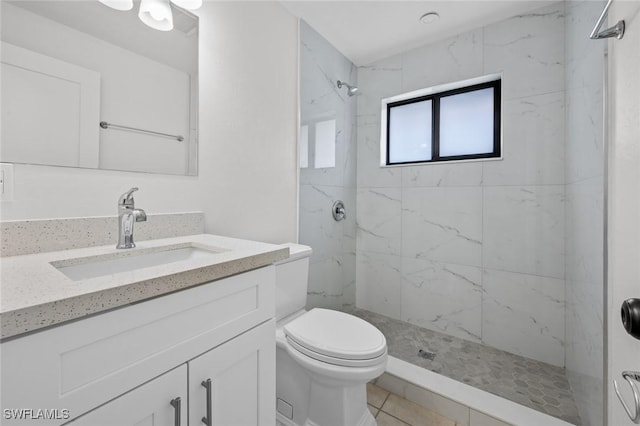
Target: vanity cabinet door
x=152, y=404
x=240, y=377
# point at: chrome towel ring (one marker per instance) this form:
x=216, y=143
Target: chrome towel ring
x=632, y=377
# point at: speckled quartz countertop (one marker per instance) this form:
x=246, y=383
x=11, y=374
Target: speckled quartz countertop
x=35, y=294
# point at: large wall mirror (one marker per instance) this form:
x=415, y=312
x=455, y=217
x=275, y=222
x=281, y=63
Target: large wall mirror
x=84, y=85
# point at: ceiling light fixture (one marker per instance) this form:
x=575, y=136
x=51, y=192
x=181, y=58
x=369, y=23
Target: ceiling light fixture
x=429, y=17
x=154, y=13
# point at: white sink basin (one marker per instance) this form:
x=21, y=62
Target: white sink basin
x=126, y=261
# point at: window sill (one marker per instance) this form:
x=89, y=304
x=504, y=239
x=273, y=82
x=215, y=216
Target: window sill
x=433, y=163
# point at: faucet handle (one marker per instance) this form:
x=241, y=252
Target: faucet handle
x=126, y=199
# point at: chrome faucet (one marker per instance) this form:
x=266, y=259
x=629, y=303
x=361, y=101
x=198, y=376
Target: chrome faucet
x=127, y=215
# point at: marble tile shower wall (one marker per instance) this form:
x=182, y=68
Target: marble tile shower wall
x=476, y=249
x=332, y=271
x=584, y=178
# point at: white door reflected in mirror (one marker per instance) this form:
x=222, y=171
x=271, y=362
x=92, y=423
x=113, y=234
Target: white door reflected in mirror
x=94, y=63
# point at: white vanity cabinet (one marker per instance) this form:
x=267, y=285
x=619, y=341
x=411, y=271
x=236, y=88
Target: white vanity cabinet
x=124, y=367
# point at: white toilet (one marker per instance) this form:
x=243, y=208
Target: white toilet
x=324, y=358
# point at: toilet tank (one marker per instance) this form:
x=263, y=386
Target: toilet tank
x=292, y=277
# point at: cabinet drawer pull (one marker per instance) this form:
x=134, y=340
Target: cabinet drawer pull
x=177, y=405
x=207, y=385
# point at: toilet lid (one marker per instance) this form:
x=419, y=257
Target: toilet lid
x=336, y=335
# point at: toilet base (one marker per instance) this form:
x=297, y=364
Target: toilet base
x=330, y=406
x=367, y=420
x=308, y=399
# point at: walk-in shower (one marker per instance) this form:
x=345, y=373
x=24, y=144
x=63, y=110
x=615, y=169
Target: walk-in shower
x=489, y=272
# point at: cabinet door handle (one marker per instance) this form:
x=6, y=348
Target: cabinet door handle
x=207, y=385
x=177, y=405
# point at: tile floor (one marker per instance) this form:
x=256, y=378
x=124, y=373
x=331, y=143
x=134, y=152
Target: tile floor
x=533, y=384
x=391, y=410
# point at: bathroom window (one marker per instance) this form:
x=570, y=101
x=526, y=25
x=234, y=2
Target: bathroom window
x=452, y=122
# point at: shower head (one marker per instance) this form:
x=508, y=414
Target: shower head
x=351, y=90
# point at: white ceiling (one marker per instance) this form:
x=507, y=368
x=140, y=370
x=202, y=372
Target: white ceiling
x=366, y=31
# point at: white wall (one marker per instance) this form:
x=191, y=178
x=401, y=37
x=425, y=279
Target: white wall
x=475, y=250
x=247, y=155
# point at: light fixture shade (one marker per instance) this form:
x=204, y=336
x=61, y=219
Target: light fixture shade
x=188, y=4
x=118, y=4
x=156, y=14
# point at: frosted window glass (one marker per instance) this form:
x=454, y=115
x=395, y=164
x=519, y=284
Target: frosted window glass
x=304, y=147
x=410, y=132
x=466, y=123
x=325, y=144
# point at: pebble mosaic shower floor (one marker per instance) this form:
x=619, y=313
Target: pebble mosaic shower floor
x=534, y=384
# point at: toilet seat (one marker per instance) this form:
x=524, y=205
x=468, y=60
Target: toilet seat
x=336, y=338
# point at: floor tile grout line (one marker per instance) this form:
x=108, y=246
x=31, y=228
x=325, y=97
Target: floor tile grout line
x=395, y=417
x=377, y=412
x=389, y=394
x=386, y=398
x=383, y=401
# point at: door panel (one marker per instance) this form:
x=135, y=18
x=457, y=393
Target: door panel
x=50, y=110
x=242, y=374
x=623, y=201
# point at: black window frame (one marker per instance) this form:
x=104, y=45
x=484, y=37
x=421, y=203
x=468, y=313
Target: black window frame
x=435, y=123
